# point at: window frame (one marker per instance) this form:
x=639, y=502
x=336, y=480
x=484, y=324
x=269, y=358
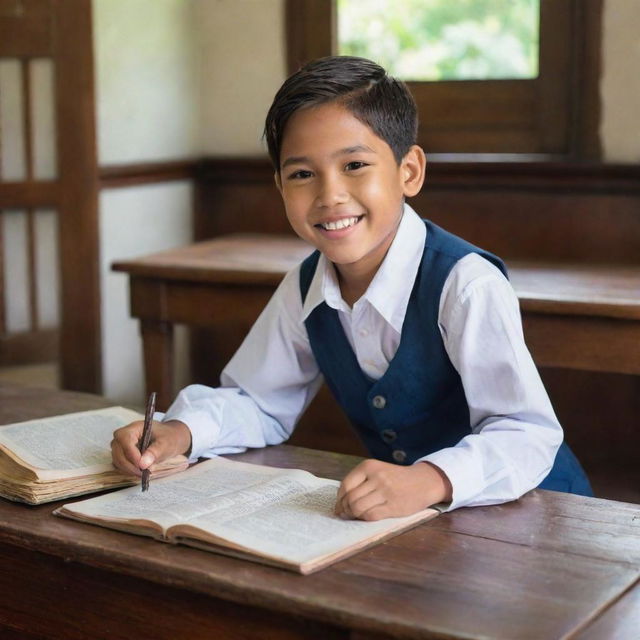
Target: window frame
x=554, y=115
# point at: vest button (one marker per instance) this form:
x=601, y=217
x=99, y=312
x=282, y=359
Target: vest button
x=379, y=402
x=399, y=455
x=388, y=435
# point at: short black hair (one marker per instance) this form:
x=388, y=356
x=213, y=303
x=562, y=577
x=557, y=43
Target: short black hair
x=363, y=87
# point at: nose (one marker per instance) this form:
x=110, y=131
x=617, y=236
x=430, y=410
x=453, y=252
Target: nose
x=331, y=191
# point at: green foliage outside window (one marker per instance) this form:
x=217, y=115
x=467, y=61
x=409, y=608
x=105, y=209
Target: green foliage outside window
x=443, y=39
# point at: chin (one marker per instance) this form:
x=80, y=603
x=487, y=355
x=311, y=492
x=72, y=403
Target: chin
x=342, y=259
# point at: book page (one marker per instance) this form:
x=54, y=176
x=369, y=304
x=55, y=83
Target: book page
x=69, y=442
x=206, y=487
x=283, y=514
x=289, y=520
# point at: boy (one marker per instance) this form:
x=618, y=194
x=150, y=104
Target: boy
x=416, y=332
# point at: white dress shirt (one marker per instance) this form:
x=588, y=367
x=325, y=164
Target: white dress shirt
x=273, y=376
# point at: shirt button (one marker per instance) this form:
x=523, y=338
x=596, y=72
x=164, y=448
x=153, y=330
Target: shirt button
x=379, y=402
x=399, y=455
x=389, y=435
x=364, y=332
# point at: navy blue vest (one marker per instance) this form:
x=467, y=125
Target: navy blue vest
x=413, y=410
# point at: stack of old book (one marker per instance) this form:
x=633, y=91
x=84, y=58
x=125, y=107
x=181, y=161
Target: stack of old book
x=63, y=456
x=281, y=517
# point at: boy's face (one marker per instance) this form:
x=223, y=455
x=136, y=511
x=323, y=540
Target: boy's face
x=342, y=188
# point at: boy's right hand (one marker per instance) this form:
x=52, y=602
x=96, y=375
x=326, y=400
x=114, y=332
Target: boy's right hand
x=168, y=439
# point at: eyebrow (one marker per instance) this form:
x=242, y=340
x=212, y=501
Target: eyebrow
x=358, y=148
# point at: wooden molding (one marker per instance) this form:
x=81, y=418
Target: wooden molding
x=28, y=195
x=532, y=209
x=29, y=347
x=466, y=171
x=129, y=175
x=25, y=29
x=310, y=28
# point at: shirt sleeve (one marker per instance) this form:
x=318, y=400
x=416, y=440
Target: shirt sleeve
x=264, y=389
x=515, y=433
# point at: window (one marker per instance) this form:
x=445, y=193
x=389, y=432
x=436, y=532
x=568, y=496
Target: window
x=432, y=40
x=534, y=91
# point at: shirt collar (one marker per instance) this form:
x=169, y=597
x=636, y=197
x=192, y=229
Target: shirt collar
x=398, y=268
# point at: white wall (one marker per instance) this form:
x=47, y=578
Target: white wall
x=146, y=80
x=242, y=53
x=135, y=221
x=620, y=84
x=147, y=110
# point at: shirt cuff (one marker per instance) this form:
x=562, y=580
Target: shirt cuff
x=204, y=433
x=455, y=464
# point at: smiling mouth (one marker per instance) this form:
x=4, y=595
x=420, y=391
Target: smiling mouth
x=337, y=225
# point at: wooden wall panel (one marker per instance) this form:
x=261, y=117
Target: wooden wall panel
x=529, y=210
x=573, y=227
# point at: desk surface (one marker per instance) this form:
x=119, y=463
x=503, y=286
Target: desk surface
x=546, y=566
x=604, y=290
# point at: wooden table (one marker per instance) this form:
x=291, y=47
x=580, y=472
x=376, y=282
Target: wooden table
x=574, y=316
x=547, y=566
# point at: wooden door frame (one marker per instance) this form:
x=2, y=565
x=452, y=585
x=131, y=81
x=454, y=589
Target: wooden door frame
x=80, y=335
x=61, y=30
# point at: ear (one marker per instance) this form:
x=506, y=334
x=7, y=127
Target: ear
x=278, y=180
x=413, y=169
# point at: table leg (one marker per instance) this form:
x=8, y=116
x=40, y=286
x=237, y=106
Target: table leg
x=157, y=344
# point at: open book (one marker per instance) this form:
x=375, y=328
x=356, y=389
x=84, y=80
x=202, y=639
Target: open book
x=281, y=517
x=63, y=456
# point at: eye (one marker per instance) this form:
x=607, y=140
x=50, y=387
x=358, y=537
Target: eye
x=301, y=174
x=355, y=165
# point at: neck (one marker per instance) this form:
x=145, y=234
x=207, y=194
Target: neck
x=354, y=278
x=354, y=282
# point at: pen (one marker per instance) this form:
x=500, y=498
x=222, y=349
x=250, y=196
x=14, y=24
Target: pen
x=146, y=435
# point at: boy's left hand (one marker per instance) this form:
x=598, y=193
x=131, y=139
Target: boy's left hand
x=375, y=490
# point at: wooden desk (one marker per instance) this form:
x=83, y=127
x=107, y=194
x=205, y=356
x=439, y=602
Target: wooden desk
x=547, y=566
x=574, y=316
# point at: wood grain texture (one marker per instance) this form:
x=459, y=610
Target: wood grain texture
x=128, y=175
x=606, y=290
x=552, y=211
x=620, y=620
x=100, y=604
x=29, y=347
x=574, y=315
x=29, y=194
x=25, y=28
x=80, y=334
x=544, y=566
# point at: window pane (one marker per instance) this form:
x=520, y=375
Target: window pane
x=443, y=39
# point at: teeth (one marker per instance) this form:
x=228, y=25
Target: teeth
x=339, y=224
